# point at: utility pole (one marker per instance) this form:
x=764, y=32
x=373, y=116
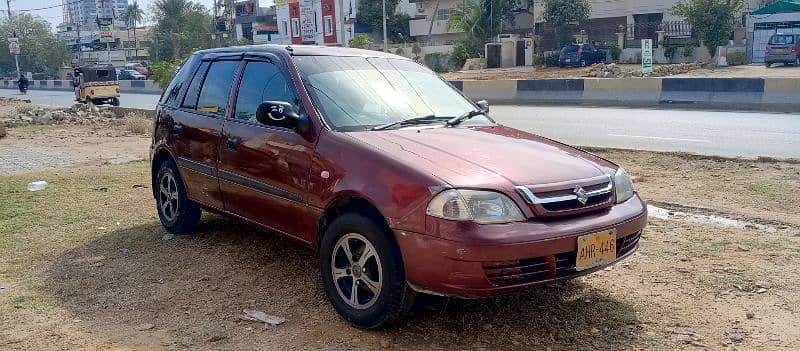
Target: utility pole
x=385, y=36
x=13, y=35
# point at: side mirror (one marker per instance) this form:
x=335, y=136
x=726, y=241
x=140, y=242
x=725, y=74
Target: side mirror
x=281, y=114
x=483, y=105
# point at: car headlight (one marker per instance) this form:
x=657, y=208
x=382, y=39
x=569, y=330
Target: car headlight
x=623, y=185
x=484, y=207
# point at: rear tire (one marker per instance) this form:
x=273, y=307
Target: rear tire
x=767, y=64
x=114, y=101
x=373, y=269
x=177, y=213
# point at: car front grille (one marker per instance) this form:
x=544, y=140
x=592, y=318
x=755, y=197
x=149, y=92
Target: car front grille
x=548, y=203
x=542, y=268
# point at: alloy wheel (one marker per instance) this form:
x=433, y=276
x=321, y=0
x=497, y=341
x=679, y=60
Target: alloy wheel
x=168, y=197
x=356, y=271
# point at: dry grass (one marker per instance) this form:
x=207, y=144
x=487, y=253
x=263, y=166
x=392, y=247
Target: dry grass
x=138, y=123
x=83, y=268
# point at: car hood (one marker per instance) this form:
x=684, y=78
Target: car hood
x=486, y=156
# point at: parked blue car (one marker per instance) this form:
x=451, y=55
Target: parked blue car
x=580, y=55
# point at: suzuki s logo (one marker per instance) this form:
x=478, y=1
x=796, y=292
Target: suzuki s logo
x=582, y=197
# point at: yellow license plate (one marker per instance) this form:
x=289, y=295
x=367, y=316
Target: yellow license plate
x=596, y=249
x=779, y=51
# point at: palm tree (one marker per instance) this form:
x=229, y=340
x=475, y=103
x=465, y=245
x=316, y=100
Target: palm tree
x=171, y=14
x=132, y=16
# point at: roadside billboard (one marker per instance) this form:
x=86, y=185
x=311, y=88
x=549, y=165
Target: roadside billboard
x=106, y=30
x=307, y=30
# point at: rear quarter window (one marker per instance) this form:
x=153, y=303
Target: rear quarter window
x=179, y=83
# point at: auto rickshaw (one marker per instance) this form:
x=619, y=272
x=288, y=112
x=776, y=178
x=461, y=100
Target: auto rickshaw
x=96, y=83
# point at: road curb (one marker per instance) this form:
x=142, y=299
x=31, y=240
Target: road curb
x=752, y=94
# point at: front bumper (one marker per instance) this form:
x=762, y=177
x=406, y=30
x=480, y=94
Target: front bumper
x=520, y=255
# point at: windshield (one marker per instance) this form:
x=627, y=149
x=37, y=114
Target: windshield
x=359, y=93
x=782, y=40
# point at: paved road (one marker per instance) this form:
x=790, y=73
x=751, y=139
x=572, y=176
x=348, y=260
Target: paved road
x=66, y=98
x=746, y=134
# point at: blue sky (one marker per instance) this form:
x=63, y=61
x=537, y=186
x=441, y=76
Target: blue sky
x=54, y=15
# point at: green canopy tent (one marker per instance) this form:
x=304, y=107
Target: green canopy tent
x=782, y=6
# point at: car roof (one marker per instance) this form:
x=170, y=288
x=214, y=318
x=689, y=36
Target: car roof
x=302, y=50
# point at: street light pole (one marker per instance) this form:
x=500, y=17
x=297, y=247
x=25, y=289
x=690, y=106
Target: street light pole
x=385, y=36
x=14, y=35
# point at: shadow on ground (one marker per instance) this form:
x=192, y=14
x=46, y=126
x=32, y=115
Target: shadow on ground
x=192, y=289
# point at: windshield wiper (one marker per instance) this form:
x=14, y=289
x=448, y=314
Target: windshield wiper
x=465, y=116
x=408, y=122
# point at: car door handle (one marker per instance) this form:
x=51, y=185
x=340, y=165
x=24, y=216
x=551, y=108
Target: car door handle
x=177, y=129
x=232, y=143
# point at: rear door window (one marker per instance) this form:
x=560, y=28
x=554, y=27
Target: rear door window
x=781, y=40
x=217, y=87
x=261, y=81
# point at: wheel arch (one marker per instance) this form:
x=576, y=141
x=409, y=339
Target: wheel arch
x=159, y=156
x=351, y=203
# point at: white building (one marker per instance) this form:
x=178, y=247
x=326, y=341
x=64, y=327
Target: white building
x=86, y=12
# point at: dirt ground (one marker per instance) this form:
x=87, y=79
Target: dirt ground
x=747, y=71
x=84, y=265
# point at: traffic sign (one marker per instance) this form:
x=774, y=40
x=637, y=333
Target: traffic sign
x=647, y=56
x=13, y=46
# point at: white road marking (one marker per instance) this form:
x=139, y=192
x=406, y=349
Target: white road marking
x=660, y=138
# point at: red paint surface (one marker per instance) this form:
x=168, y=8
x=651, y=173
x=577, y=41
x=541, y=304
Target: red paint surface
x=398, y=172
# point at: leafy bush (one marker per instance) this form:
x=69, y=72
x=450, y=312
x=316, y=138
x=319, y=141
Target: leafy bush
x=551, y=59
x=400, y=51
x=736, y=58
x=615, y=53
x=669, y=52
x=688, y=50
x=435, y=61
x=361, y=41
x=538, y=60
x=416, y=50
x=464, y=49
x=162, y=72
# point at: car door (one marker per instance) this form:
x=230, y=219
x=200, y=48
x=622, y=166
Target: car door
x=197, y=128
x=264, y=169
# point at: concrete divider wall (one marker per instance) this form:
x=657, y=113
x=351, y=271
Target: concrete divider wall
x=765, y=94
x=125, y=86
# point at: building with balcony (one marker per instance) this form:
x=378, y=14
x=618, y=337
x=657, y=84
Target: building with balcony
x=257, y=25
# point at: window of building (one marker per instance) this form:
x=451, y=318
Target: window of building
x=261, y=81
x=444, y=14
x=216, y=87
x=328, y=24
x=295, y=27
x=285, y=26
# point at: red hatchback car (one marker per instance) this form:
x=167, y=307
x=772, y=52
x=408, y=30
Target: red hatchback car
x=401, y=183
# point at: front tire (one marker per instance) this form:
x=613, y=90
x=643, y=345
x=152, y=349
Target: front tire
x=178, y=214
x=767, y=64
x=362, y=272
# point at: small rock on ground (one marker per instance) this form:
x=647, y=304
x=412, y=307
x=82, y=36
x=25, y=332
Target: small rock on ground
x=145, y=326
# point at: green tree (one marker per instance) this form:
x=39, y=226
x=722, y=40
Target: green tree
x=361, y=41
x=474, y=18
x=560, y=13
x=181, y=26
x=132, y=16
x=41, y=51
x=712, y=20
x=371, y=13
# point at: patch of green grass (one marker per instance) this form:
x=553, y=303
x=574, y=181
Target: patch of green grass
x=764, y=244
x=767, y=187
x=705, y=246
x=21, y=301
